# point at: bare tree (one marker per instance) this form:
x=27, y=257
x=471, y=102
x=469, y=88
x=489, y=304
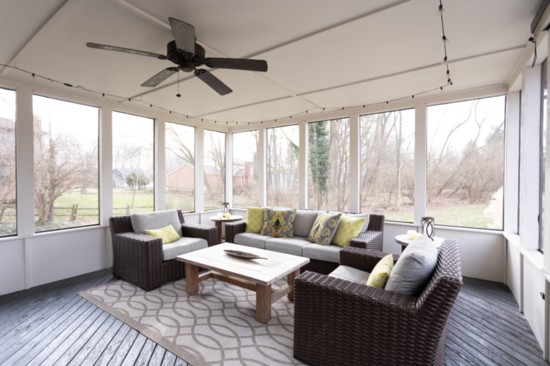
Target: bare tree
x=60, y=165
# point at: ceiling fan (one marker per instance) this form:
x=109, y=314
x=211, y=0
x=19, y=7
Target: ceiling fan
x=188, y=55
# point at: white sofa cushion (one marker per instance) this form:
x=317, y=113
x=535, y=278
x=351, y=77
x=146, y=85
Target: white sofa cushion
x=350, y=274
x=292, y=246
x=304, y=222
x=251, y=239
x=327, y=253
x=155, y=220
x=182, y=246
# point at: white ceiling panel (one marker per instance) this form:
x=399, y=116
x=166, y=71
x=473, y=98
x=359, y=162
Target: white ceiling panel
x=321, y=53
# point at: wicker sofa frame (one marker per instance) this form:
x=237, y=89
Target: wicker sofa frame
x=371, y=239
x=137, y=258
x=337, y=322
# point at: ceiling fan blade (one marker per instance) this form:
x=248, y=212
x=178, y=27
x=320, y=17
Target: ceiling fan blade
x=125, y=50
x=213, y=81
x=160, y=77
x=184, y=35
x=236, y=63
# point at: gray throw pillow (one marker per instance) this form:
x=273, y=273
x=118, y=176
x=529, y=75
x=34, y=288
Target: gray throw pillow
x=414, y=268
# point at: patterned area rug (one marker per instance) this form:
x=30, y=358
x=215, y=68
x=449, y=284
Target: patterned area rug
x=217, y=326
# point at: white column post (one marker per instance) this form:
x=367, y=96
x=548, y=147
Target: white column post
x=160, y=166
x=529, y=179
x=106, y=164
x=511, y=169
x=420, y=165
x=199, y=169
x=25, y=162
x=229, y=168
x=262, y=171
x=355, y=163
x=302, y=166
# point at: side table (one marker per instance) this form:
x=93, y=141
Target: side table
x=219, y=221
x=404, y=240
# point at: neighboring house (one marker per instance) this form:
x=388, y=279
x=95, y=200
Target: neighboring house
x=182, y=178
x=243, y=176
x=119, y=179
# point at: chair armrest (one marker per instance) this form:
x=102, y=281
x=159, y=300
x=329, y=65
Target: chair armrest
x=232, y=229
x=139, y=247
x=310, y=286
x=369, y=239
x=209, y=233
x=363, y=259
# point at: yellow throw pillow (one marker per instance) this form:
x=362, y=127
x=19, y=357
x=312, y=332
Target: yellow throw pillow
x=381, y=272
x=168, y=234
x=348, y=229
x=254, y=219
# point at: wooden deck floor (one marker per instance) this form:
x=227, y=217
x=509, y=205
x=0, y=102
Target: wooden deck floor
x=51, y=324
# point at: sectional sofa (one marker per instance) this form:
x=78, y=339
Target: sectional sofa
x=323, y=258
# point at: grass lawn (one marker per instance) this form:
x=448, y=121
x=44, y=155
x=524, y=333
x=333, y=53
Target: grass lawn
x=464, y=215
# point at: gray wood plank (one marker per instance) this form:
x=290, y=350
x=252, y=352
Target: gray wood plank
x=135, y=350
x=114, y=343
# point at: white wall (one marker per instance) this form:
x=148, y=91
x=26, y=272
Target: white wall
x=483, y=252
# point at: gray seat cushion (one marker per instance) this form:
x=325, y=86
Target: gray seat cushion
x=303, y=222
x=182, y=246
x=350, y=274
x=251, y=240
x=414, y=268
x=327, y=253
x=292, y=246
x=155, y=220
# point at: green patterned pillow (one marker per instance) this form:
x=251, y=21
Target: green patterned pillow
x=278, y=222
x=324, y=228
x=348, y=229
x=254, y=219
x=168, y=234
x=380, y=273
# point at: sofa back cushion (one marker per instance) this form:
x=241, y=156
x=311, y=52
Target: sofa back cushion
x=414, y=268
x=254, y=219
x=304, y=222
x=154, y=220
x=278, y=222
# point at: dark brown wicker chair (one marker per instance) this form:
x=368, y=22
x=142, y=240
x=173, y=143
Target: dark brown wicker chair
x=137, y=258
x=337, y=322
x=371, y=239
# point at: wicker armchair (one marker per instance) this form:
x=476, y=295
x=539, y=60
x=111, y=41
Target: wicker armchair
x=137, y=258
x=337, y=322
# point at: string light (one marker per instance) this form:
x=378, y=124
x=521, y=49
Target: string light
x=324, y=109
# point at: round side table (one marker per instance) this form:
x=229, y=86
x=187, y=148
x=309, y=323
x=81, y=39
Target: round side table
x=404, y=240
x=219, y=221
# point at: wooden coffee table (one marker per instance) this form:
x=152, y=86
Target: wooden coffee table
x=253, y=274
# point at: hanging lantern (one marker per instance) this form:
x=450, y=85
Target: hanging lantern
x=428, y=227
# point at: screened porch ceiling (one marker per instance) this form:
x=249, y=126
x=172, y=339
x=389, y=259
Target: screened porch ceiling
x=321, y=53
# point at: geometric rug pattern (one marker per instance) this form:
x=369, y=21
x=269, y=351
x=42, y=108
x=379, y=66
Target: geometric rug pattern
x=216, y=326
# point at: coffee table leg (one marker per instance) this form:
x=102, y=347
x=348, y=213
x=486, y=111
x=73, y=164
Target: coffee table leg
x=263, y=303
x=191, y=278
x=290, y=281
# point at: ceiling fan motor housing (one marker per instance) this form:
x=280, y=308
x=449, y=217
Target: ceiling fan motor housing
x=184, y=60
